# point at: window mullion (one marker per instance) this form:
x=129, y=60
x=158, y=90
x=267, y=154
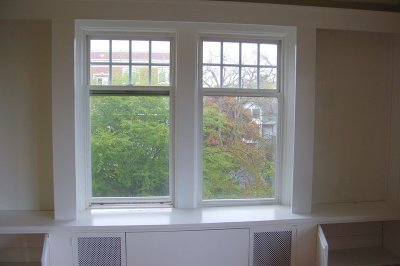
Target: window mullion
x=110, y=63
x=130, y=63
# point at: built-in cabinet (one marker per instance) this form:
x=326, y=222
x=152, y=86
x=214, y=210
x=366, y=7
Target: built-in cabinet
x=24, y=249
x=255, y=246
x=366, y=243
x=195, y=248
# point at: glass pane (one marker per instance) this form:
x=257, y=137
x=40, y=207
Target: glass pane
x=160, y=75
x=249, y=77
x=268, y=54
x=211, y=52
x=239, y=147
x=130, y=146
x=231, y=77
x=249, y=54
x=120, y=51
x=99, y=51
x=160, y=52
x=231, y=53
x=99, y=74
x=120, y=75
x=211, y=77
x=140, y=52
x=268, y=78
x=140, y=75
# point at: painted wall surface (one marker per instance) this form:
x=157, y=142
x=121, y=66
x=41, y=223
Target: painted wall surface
x=352, y=116
x=26, y=180
x=67, y=179
x=26, y=128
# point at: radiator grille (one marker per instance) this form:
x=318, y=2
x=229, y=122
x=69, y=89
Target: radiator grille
x=99, y=251
x=272, y=248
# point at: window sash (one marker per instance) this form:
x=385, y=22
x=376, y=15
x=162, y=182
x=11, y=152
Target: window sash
x=131, y=90
x=224, y=38
x=244, y=92
x=131, y=37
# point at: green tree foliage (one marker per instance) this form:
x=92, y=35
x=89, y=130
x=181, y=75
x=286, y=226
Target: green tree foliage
x=130, y=148
x=237, y=161
x=130, y=139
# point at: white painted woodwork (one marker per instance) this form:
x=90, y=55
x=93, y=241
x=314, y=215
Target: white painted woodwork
x=26, y=181
x=394, y=150
x=195, y=248
x=391, y=236
x=368, y=243
x=26, y=249
x=363, y=256
x=22, y=189
x=353, y=235
x=68, y=179
x=352, y=121
x=322, y=249
x=61, y=251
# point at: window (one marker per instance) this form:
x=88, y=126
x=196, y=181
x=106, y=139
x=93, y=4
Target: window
x=186, y=114
x=129, y=84
x=241, y=91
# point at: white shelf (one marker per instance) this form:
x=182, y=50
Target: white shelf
x=371, y=256
x=120, y=219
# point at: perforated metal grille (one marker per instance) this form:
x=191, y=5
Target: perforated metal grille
x=272, y=248
x=99, y=251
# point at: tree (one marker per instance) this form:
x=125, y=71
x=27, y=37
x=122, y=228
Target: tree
x=130, y=139
x=237, y=161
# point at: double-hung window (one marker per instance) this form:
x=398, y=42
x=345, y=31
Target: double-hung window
x=129, y=79
x=185, y=114
x=240, y=88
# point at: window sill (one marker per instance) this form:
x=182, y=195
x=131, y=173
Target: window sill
x=129, y=220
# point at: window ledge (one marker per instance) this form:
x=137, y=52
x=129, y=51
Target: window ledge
x=129, y=220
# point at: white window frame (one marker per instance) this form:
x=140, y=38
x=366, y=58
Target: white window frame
x=128, y=90
x=186, y=103
x=244, y=37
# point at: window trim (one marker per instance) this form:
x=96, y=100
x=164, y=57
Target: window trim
x=187, y=141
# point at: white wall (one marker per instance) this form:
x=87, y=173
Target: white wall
x=26, y=181
x=352, y=116
x=307, y=19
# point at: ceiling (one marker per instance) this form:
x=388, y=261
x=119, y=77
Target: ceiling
x=381, y=5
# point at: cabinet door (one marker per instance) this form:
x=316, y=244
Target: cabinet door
x=322, y=248
x=194, y=248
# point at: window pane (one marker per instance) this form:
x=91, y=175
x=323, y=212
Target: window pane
x=120, y=75
x=239, y=147
x=211, y=77
x=249, y=77
x=160, y=52
x=249, y=54
x=130, y=140
x=268, y=54
x=160, y=75
x=99, y=51
x=211, y=52
x=99, y=74
x=140, y=75
x=140, y=52
x=231, y=77
x=120, y=51
x=231, y=53
x=268, y=78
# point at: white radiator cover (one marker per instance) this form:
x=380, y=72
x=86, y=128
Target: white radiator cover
x=263, y=246
x=102, y=249
x=272, y=246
